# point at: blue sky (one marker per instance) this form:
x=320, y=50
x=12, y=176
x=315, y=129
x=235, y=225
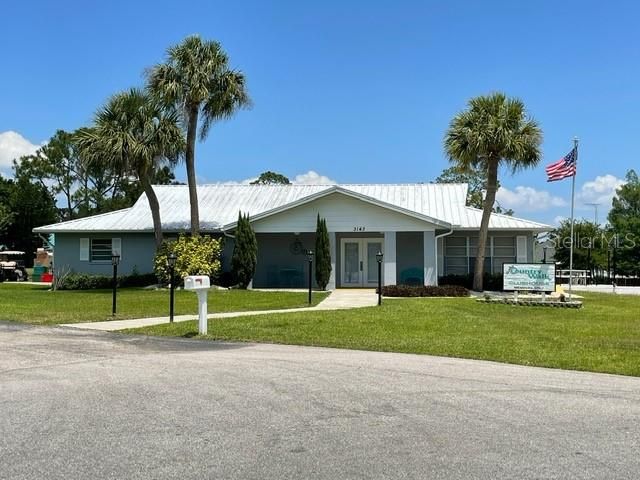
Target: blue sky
x=355, y=91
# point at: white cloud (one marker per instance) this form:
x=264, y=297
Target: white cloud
x=601, y=190
x=13, y=146
x=528, y=199
x=246, y=181
x=559, y=219
x=312, y=178
x=309, y=178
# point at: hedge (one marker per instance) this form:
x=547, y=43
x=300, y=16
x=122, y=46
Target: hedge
x=83, y=281
x=424, y=291
x=490, y=282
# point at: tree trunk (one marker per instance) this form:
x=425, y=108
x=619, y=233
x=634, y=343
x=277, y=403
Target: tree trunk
x=192, y=128
x=154, y=205
x=492, y=186
x=69, y=206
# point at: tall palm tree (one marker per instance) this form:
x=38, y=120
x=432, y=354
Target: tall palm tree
x=136, y=135
x=493, y=131
x=196, y=78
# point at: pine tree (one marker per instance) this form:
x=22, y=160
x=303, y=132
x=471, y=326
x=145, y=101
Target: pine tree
x=323, y=254
x=245, y=252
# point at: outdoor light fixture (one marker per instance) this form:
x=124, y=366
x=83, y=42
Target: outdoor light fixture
x=310, y=259
x=115, y=260
x=379, y=257
x=171, y=262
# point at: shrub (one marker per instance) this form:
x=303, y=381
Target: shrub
x=197, y=255
x=245, y=252
x=84, y=281
x=424, y=291
x=490, y=282
x=323, y=254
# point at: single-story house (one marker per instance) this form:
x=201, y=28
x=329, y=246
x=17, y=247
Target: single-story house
x=424, y=231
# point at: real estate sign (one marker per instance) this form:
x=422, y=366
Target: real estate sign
x=539, y=277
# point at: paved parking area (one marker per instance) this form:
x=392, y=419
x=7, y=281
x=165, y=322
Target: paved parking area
x=84, y=404
x=620, y=290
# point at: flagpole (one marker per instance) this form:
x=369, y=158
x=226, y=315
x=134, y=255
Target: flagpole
x=573, y=191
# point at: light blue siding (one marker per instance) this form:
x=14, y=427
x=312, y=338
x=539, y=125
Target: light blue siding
x=138, y=250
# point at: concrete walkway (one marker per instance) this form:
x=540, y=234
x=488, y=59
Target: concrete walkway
x=337, y=300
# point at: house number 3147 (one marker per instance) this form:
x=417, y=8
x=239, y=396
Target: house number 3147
x=358, y=229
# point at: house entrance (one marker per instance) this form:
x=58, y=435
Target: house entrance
x=359, y=264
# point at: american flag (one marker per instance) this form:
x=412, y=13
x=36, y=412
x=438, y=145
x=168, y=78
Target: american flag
x=563, y=168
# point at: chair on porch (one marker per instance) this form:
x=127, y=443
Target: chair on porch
x=412, y=276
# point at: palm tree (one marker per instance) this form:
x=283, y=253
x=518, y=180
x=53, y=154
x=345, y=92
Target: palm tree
x=197, y=80
x=493, y=131
x=137, y=136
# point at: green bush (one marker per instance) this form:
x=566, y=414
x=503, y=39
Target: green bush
x=424, y=291
x=198, y=255
x=84, y=281
x=245, y=252
x=491, y=282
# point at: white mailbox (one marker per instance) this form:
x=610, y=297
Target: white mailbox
x=199, y=284
x=196, y=282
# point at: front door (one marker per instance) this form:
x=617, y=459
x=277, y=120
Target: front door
x=359, y=263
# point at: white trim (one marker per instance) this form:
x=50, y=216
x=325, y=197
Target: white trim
x=429, y=258
x=331, y=285
x=521, y=249
x=84, y=249
x=390, y=259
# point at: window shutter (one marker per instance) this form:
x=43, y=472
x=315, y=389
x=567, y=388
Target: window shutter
x=84, y=249
x=116, y=246
x=521, y=249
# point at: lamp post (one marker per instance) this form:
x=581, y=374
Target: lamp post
x=171, y=262
x=310, y=260
x=115, y=260
x=544, y=254
x=379, y=257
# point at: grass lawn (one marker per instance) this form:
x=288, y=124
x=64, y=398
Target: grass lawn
x=35, y=304
x=604, y=336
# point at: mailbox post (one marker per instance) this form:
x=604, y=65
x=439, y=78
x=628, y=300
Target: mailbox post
x=200, y=285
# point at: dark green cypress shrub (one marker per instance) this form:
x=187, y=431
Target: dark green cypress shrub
x=245, y=252
x=322, y=254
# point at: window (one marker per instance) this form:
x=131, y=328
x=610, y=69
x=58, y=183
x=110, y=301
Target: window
x=455, y=260
x=456, y=247
x=473, y=247
x=504, y=251
x=101, y=249
x=460, y=254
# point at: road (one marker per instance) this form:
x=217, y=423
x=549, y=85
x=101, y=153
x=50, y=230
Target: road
x=83, y=404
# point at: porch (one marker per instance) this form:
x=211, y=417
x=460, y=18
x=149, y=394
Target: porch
x=409, y=258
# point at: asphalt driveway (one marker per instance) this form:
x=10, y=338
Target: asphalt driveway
x=81, y=404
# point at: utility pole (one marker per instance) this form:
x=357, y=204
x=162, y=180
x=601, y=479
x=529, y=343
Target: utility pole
x=595, y=207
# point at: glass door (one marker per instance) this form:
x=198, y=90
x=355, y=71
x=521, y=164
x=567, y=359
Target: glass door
x=359, y=262
x=351, y=273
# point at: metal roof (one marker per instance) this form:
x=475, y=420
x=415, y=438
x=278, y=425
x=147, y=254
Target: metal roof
x=442, y=204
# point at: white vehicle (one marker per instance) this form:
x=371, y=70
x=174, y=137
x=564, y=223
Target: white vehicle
x=12, y=266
